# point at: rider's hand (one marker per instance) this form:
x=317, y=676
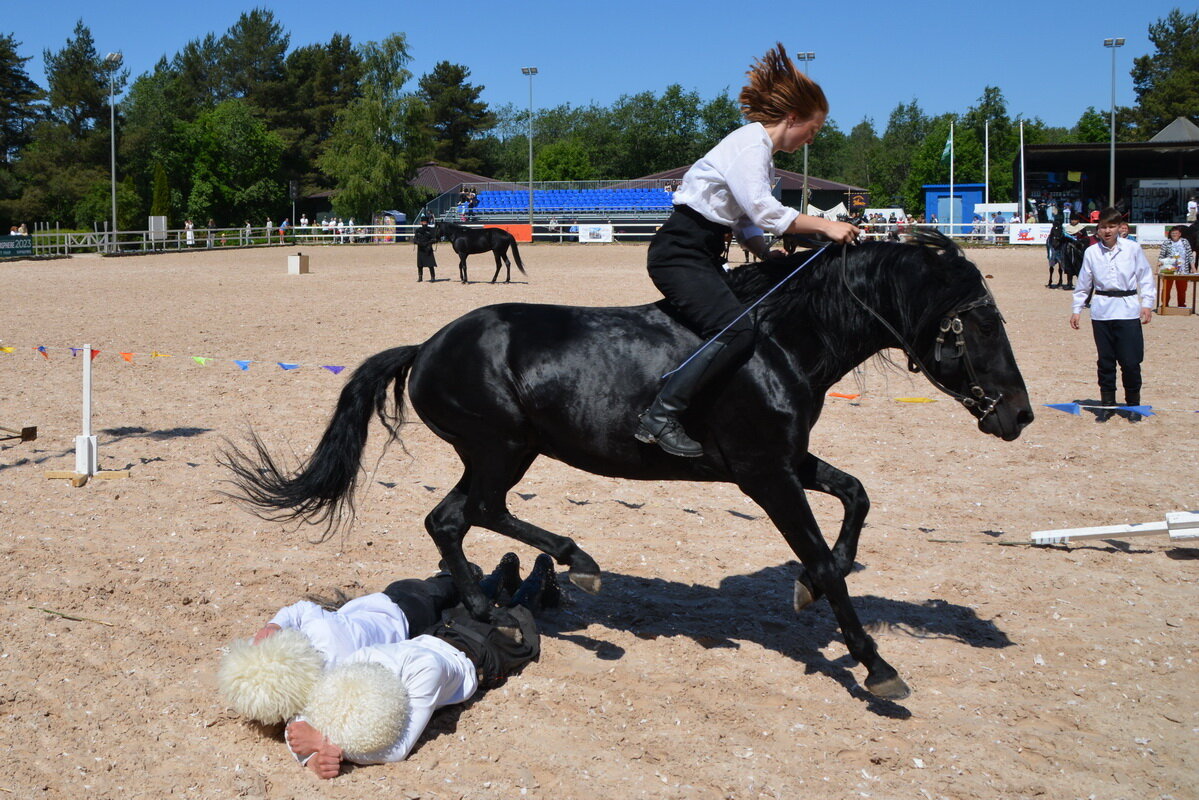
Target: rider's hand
x=841, y=232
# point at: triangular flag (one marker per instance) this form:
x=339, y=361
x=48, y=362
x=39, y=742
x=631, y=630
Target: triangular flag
x=201, y=360
x=1069, y=408
x=157, y=354
x=243, y=365
x=6, y=349
x=287, y=366
x=42, y=349
x=1144, y=411
x=128, y=357
x=76, y=351
x=95, y=353
x=334, y=370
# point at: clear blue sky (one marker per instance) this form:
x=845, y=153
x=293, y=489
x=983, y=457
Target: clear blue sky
x=1047, y=57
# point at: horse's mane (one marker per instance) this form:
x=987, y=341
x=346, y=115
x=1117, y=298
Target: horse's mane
x=908, y=282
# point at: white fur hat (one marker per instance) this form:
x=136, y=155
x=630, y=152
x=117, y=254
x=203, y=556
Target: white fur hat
x=361, y=707
x=272, y=680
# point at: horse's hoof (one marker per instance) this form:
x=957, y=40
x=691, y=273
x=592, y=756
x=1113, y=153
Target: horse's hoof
x=892, y=688
x=804, y=596
x=589, y=582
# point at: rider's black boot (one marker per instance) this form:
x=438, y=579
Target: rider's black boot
x=660, y=422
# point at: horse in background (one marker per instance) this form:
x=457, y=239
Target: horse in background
x=1064, y=252
x=468, y=241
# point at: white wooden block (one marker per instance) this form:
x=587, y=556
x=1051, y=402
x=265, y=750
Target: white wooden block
x=297, y=264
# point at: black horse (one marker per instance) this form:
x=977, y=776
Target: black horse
x=507, y=383
x=1065, y=252
x=468, y=241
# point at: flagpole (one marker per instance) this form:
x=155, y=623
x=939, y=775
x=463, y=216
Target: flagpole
x=987, y=162
x=951, y=179
x=1023, y=198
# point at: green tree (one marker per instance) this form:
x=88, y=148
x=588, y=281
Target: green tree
x=1092, y=127
x=380, y=138
x=563, y=160
x=907, y=129
x=18, y=100
x=251, y=59
x=321, y=81
x=234, y=163
x=861, y=150
x=160, y=200
x=78, y=82
x=1167, y=81
x=457, y=117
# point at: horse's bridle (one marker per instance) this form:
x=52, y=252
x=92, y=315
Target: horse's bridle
x=978, y=401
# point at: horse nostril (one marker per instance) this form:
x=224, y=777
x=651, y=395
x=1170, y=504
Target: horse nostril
x=1024, y=418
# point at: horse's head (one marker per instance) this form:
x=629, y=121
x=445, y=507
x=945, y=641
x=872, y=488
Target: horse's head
x=439, y=230
x=961, y=344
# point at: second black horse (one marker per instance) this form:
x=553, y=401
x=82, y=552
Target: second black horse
x=467, y=241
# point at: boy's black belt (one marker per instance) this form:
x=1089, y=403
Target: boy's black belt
x=1116, y=292
x=701, y=220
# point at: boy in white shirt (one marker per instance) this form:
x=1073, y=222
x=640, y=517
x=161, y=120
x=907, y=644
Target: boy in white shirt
x=1118, y=271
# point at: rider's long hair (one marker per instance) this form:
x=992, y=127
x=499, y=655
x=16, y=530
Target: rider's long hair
x=776, y=88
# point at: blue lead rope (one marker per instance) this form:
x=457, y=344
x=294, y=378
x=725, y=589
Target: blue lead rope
x=755, y=304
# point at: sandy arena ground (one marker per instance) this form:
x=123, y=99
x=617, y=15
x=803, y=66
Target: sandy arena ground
x=1036, y=672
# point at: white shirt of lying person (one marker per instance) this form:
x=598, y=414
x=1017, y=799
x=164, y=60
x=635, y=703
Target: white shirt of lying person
x=435, y=674
x=364, y=621
x=731, y=185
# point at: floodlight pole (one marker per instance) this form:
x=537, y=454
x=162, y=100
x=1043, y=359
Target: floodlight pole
x=803, y=203
x=1113, y=43
x=530, y=71
x=113, y=62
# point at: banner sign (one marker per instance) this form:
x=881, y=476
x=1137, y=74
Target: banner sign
x=16, y=246
x=1031, y=233
x=595, y=233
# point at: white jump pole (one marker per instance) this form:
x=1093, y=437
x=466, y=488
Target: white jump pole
x=1179, y=525
x=85, y=445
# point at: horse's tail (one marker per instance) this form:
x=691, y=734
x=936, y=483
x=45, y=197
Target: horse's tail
x=516, y=254
x=323, y=487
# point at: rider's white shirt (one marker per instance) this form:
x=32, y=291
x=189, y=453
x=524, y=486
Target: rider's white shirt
x=731, y=185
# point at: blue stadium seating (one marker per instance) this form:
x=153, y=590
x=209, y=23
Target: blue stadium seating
x=567, y=201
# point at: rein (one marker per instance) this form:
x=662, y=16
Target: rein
x=951, y=323
x=748, y=309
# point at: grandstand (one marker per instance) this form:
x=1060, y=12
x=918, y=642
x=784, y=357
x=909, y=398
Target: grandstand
x=574, y=201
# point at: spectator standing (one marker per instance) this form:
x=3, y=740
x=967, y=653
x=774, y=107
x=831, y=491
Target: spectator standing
x=189, y=232
x=1176, y=254
x=1193, y=209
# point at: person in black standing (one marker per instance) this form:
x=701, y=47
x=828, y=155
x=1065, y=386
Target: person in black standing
x=424, y=237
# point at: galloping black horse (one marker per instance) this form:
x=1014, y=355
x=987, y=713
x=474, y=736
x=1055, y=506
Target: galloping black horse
x=1066, y=253
x=507, y=383
x=467, y=241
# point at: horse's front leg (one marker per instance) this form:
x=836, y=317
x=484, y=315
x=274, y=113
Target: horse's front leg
x=462, y=267
x=817, y=475
x=447, y=526
x=782, y=498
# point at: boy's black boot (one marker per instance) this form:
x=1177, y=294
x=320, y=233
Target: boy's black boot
x=503, y=581
x=540, y=590
x=660, y=422
x=1108, y=400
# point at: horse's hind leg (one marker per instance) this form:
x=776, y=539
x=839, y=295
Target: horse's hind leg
x=487, y=507
x=497, y=253
x=462, y=267
x=817, y=475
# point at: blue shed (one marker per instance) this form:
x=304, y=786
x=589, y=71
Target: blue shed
x=965, y=197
